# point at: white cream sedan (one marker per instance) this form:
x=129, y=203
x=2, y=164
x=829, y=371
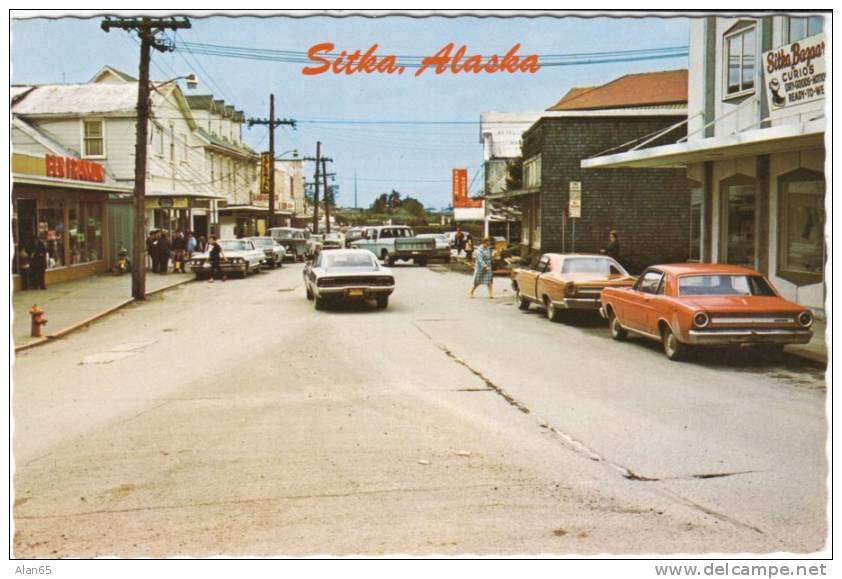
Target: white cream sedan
x=241, y=257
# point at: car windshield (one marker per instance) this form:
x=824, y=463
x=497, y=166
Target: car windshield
x=286, y=234
x=600, y=265
x=723, y=285
x=350, y=260
x=234, y=245
x=332, y=236
x=262, y=242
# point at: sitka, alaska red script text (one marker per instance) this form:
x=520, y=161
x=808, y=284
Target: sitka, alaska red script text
x=443, y=61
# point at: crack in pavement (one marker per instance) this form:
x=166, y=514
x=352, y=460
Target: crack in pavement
x=582, y=448
x=494, y=485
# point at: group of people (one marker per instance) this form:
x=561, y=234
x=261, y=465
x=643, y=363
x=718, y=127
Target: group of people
x=161, y=249
x=32, y=265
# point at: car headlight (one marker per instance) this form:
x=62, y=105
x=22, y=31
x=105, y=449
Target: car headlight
x=570, y=289
x=701, y=319
x=805, y=319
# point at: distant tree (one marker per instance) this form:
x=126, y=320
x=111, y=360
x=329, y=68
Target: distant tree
x=381, y=204
x=514, y=174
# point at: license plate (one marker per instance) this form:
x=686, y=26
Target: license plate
x=356, y=292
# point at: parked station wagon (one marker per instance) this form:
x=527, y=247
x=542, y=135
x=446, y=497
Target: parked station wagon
x=567, y=281
x=684, y=305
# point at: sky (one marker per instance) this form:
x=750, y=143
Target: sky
x=415, y=159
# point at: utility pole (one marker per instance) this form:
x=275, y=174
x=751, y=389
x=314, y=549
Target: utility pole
x=327, y=195
x=148, y=30
x=272, y=122
x=320, y=161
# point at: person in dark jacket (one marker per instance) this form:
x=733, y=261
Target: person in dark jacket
x=38, y=265
x=216, y=257
x=163, y=253
x=152, y=249
x=613, y=247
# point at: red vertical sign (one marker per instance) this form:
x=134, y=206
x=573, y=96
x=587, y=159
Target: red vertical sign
x=460, y=191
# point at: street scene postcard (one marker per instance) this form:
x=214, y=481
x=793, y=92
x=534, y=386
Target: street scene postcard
x=421, y=284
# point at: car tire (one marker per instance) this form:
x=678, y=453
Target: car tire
x=522, y=302
x=246, y=272
x=391, y=261
x=673, y=348
x=422, y=262
x=382, y=302
x=618, y=332
x=318, y=303
x=553, y=313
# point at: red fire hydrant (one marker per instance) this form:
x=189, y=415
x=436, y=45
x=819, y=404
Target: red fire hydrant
x=38, y=320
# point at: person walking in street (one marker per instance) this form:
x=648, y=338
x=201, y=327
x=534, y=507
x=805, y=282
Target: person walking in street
x=469, y=246
x=164, y=249
x=459, y=238
x=216, y=257
x=38, y=265
x=483, y=273
x=613, y=247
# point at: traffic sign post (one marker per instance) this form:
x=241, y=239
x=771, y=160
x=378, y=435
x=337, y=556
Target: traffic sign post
x=574, y=209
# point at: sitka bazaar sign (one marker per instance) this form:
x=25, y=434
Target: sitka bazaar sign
x=75, y=169
x=795, y=74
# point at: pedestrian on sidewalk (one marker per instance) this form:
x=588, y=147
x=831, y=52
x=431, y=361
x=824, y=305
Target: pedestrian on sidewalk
x=201, y=245
x=164, y=249
x=24, y=262
x=191, y=244
x=483, y=273
x=38, y=265
x=613, y=247
x=152, y=251
x=179, y=249
x=216, y=257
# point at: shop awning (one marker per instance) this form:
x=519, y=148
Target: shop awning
x=514, y=193
x=250, y=209
x=779, y=139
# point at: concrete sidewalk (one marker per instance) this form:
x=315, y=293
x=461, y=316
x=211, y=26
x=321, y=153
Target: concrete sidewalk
x=73, y=304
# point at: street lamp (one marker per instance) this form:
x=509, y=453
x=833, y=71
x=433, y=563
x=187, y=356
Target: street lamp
x=293, y=151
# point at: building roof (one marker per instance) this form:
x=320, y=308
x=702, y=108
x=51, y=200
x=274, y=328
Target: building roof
x=647, y=89
x=75, y=99
x=109, y=74
x=212, y=139
x=200, y=101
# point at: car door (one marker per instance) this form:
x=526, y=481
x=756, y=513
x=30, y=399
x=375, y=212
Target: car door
x=542, y=267
x=639, y=309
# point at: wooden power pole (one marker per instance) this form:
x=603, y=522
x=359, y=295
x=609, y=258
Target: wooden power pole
x=320, y=161
x=148, y=30
x=272, y=122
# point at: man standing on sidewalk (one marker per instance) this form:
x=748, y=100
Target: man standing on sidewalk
x=163, y=253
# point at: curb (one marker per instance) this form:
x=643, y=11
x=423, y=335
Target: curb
x=72, y=328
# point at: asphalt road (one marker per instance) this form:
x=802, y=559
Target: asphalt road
x=232, y=418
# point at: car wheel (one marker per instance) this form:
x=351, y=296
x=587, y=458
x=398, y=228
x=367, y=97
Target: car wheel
x=382, y=302
x=674, y=349
x=553, y=313
x=522, y=302
x=318, y=303
x=246, y=272
x=617, y=331
x=422, y=262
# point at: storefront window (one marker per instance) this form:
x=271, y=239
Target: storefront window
x=738, y=196
x=51, y=229
x=802, y=219
x=803, y=27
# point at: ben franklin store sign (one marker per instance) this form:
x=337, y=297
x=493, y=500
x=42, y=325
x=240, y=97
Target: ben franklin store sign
x=795, y=74
x=74, y=169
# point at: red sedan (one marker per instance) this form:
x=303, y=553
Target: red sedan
x=688, y=304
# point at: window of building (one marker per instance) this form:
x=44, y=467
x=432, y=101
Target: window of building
x=94, y=138
x=84, y=227
x=803, y=27
x=212, y=169
x=739, y=220
x=740, y=56
x=532, y=172
x=159, y=140
x=51, y=231
x=172, y=144
x=185, y=155
x=801, y=230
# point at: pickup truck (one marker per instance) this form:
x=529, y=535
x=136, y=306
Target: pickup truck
x=393, y=242
x=568, y=281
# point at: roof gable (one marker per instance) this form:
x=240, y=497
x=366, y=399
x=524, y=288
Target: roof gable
x=663, y=88
x=108, y=74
